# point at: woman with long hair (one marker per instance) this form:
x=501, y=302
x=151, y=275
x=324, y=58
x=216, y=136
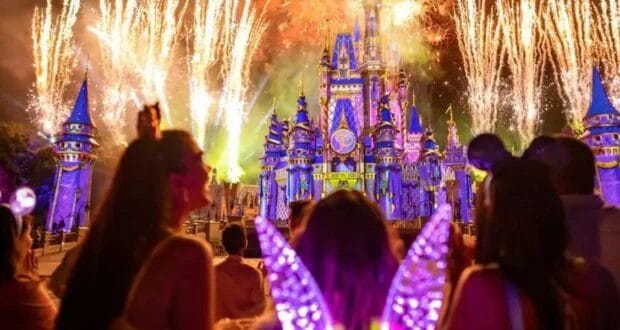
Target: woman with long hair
x=175, y=288
x=522, y=277
x=124, y=232
x=23, y=301
x=346, y=246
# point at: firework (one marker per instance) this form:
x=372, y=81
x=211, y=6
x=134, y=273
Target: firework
x=54, y=61
x=608, y=45
x=241, y=41
x=117, y=22
x=479, y=39
x=138, y=40
x=207, y=30
x=523, y=38
x=568, y=26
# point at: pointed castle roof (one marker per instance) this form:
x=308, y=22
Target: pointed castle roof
x=80, y=113
x=600, y=101
x=414, y=127
x=344, y=43
x=385, y=115
x=357, y=31
x=602, y=116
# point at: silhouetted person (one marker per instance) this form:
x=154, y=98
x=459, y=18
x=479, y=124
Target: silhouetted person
x=522, y=273
x=594, y=227
x=487, y=152
x=24, y=304
x=298, y=210
x=240, y=290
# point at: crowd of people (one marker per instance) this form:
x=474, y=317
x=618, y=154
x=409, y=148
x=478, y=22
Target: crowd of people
x=546, y=252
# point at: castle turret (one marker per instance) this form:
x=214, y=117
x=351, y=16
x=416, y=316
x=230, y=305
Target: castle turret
x=429, y=169
x=301, y=154
x=75, y=154
x=413, y=138
x=602, y=134
x=358, y=41
x=325, y=68
x=373, y=67
x=388, y=180
x=271, y=161
x=461, y=194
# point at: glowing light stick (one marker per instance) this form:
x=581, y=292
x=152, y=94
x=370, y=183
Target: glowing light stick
x=298, y=301
x=416, y=295
x=22, y=203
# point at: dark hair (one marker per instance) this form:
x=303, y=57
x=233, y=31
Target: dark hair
x=347, y=249
x=525, y=233
x=127, y=227
x=538, y=146
x=234, y=238
x=8, y=235
x=174, y=145
x=572, y=164
x=298, y=209
x=487, y=148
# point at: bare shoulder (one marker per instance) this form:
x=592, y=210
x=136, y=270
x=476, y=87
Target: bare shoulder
x=481, y=280
x=181, y=247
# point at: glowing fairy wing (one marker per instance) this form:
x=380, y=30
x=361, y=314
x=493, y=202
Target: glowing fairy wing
x=415, y=296
x=298, y=300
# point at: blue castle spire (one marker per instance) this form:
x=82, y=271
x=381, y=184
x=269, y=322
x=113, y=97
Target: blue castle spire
x=600, y=101
x=80, y=113
x=75, y=154
x=414, y=127
x=357, y=31
x=602, y=134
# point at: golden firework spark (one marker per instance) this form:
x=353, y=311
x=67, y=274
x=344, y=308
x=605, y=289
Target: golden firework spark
x=241, y=41
x=479, y=39
x=207, y=30
x=138, y=41
x=54, y=61
x=608, y=45
x=116, y=25
x=523, y=40
x=569, y=28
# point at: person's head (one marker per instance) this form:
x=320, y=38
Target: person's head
x=234, y=239
x=188, y=176
x=485, y=151
x=15, y=242
x=538, y=146
x=347, y=248
x=298, y=210
x=525, y=233
x=572, y=165
x=127, y=226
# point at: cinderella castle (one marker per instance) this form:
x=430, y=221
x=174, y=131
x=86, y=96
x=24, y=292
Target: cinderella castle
x=368, y=137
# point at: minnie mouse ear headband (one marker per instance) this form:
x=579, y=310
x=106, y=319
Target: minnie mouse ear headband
x=22, y=203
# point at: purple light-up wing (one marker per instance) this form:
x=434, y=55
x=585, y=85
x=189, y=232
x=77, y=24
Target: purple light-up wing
x=298, y=300
x=415, y=296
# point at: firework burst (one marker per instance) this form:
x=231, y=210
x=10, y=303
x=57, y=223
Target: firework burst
x=54, y=61
x=241, y=41
x=480, y=43
x=569, y=28
x=207, y=30
x=608, y=45
x=523, y=40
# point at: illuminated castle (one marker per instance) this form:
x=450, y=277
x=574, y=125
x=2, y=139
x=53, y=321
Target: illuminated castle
x=368, y=137
x=74, y=151
x=602, y=124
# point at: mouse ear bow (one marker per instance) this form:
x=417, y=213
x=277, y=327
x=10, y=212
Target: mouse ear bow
x=22, y=203
x=299, y=303
x=415, y=296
